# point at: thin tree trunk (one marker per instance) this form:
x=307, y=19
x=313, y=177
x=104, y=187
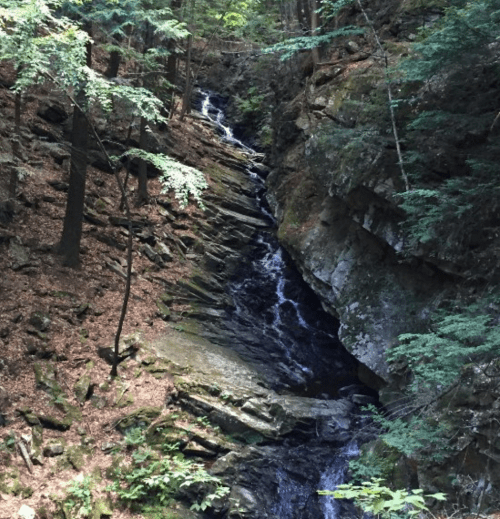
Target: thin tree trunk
x=142, y=191
x=187, y=93
x=115, y=58
x=307, y=14
x=142, y=188
x=314, y=29
x=390, y=98
x=69, y=246
x=16, y=145
x=300, y=15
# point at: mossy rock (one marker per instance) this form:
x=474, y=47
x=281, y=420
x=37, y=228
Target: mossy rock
x=76, y=454
x=149, y=360
x=125, y=401
x=163, y=311
x=51, y=422
x=141, y=417
x=10, y=484
x=72, y=412
x=82, y=387
x=30, y=417
x=167, y=299
x=116, y=463
x=37, y=435
x=45, y=378
x=159, y=369
x=102, y=508
x=172, y=435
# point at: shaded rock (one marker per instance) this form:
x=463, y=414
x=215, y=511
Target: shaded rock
x=51, y=422
x=352, y=47
x=46, y=133
x=197, y=450
x=40, y=321
x=57, y=151
x=19, y=255
x=58, y=185
x=53, y=449
x=52, y=111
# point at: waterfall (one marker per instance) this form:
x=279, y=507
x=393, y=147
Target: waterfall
x=279, y=326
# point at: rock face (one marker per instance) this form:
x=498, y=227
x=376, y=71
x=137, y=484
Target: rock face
x=332, y=190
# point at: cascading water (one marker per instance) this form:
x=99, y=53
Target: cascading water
x=277, y=324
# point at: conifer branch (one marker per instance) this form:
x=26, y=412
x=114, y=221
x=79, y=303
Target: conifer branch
x=389, y=95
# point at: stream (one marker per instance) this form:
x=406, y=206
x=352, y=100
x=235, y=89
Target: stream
x=276, y=325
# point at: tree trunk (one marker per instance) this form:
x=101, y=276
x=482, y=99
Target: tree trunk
x=69, y=246
x=300, y=15
x=187, y=94
x=115, y=58
x=142, y=188
x=142, y=191
x=307, y=14
x=314, y=29
x=16, y=145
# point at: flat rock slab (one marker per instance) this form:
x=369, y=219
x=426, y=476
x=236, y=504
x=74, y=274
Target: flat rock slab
x=221, y=386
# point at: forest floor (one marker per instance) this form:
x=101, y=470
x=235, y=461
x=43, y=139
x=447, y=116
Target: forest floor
x=83, y=304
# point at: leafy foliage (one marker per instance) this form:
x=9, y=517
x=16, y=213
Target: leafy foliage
x=80, y=497
x=292, y=45
x=181, y=179
x=37, y=42
x=160, y=481
x=373, y=498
